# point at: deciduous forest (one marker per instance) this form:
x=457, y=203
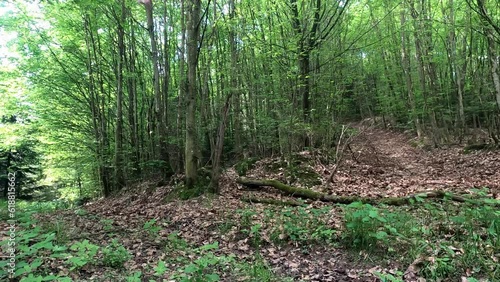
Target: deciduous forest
x=250, y=140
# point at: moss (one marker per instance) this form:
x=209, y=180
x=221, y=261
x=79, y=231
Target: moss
x=244, y=166
x=303, y=175
x=479, y=147
x=183, y=193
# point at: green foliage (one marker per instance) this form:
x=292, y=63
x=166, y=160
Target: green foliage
x=447, y=238
x=39, y=278
x=84, y=253
x=254, y=234
x=257, y=270
x=58, y=228
x=115, y=255
x=81, y=212
x=199, y=188
x=189, y=193
x=107, y=224
x=135, y=277
x=366, y=226
x=246, y=217
x=151, y=227
x=33, y=246
x=161, y=268
x=174, y=242
x=245, y=165
x=203, y=267
x=23, y=160
x=387, y=277
x=225, y=226
x=300, y=225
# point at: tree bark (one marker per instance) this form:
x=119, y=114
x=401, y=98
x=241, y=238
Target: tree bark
x=405, y=61
x=119, y=177
x=159, y=97
x=193, y=34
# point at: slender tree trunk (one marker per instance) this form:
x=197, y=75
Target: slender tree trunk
x=493, y=56
x=193, y=34
x=132, y=107
x=237, y=130
x=159, y=104
x=405, y=60
x=119, y=177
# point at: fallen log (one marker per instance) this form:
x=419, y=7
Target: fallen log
x=253, y=200
x=318, y=196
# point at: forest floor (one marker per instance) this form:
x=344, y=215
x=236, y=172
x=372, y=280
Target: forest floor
x=380, y=163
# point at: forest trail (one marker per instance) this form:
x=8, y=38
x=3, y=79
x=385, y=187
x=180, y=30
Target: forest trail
x=386, y=163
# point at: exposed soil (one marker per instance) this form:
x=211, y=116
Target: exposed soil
x=382, y=163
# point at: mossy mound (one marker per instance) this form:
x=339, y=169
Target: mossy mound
x=297, y=170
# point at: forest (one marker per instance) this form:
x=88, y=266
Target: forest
x=250, y=140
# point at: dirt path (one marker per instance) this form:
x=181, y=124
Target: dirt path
x=384, y=163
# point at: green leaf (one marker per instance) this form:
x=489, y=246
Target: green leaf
x=212, y=277
x=207, y=247
x=161, y=268
x=191, y=268
x=381, y=235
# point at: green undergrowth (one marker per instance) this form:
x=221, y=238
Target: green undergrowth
x=444, y=240
x=441, y=240
x=186, y=263
x=41, y=245
x=297, y=169
x=291, y=225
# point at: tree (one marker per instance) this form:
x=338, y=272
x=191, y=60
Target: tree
x=193, y=41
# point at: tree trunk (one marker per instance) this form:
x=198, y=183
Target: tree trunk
x=405, y=61
x=159, y=104
x=193, y=34
x=119, y=177
x=132, y=107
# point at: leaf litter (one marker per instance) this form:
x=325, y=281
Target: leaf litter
x=380, y=163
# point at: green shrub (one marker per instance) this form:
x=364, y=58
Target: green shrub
x=366, y=226
x=85, y=253
x=115, y=255
x=151, y=227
